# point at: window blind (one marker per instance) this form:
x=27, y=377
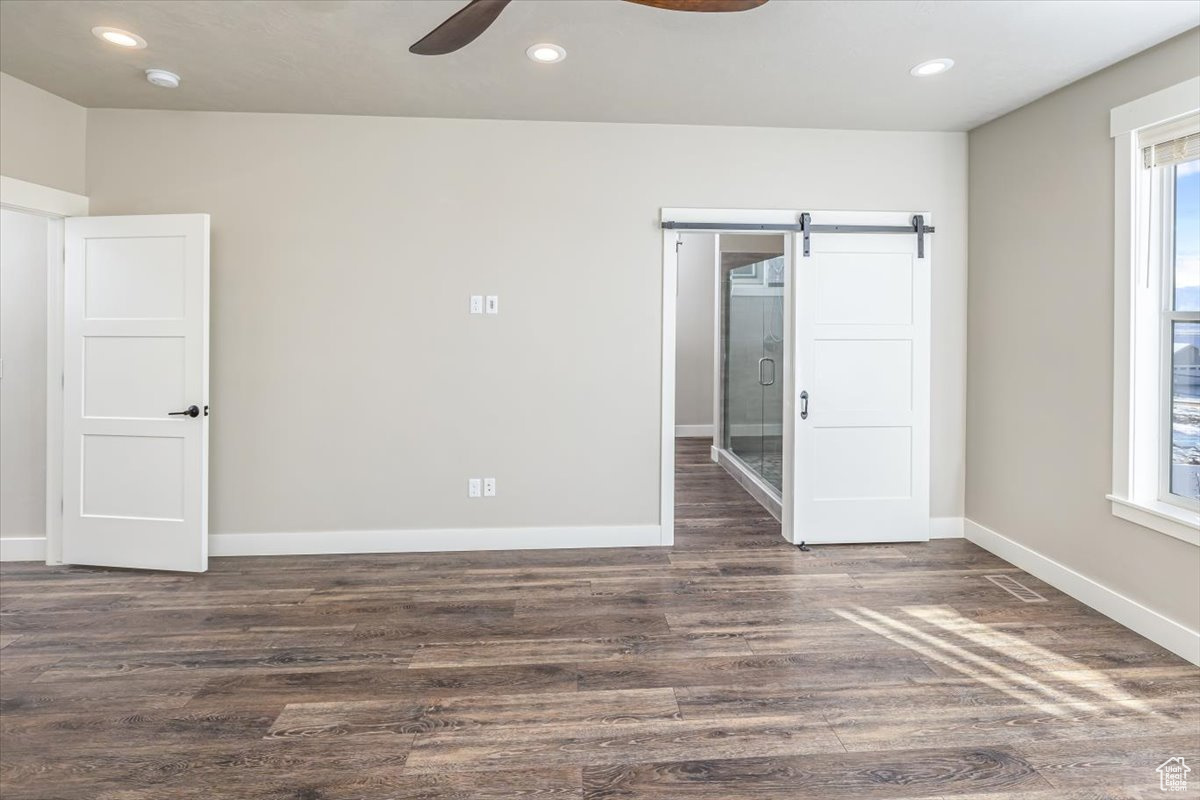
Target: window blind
x=1171, y=143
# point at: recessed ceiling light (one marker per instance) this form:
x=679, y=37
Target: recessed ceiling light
x=544, y=53
x=160, y=77
x=935, y=67
x=120, y=38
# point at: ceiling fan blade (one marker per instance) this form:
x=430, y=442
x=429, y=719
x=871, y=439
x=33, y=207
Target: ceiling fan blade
x=461, y=29
x=701, y=5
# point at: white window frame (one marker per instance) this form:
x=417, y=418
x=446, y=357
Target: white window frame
x=1141, y=416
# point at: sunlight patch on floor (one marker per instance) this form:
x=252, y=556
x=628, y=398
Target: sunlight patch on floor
x=1031, y=655
x=1021, y=686
x=1010, y=682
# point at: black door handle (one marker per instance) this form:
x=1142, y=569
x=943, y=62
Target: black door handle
x=190, y=411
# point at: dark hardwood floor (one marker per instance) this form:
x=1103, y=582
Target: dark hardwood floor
x=730, y=666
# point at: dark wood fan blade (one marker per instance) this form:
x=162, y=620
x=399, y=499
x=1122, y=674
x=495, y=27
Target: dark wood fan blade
x=461, y=29
x=701, y=5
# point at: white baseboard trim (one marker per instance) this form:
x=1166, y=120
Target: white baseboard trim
x=1146, y=622
x=946, y=528
x=23, y=548
x=693, y=430
x=431, y=541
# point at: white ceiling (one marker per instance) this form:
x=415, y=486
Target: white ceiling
x=790, y=63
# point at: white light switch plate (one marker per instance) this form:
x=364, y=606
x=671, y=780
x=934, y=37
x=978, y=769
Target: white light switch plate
x=489, y=487
x=474, y=487
x=493, y=304
x=476, y=304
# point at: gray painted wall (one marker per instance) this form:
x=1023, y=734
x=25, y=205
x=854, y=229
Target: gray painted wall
x=23, y=387
x=695, y=329
x=42, y=136
x=351, y=389
x=1039, y=433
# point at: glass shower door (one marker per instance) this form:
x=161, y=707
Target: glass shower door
x=772, y=442
x=754, y=358
x=744, y=373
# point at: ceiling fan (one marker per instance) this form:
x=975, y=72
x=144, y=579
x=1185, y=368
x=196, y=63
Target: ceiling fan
x=465, y=26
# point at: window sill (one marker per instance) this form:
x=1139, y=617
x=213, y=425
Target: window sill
x=1162, y=517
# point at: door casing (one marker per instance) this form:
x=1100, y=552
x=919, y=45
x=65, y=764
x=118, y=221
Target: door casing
x=55, y=205
x=670, y=286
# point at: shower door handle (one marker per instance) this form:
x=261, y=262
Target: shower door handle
x=761, y=380
x=804, y=405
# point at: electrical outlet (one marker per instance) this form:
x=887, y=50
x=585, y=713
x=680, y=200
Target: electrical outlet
x=489, y=487
x=474, y=488
x=476, y=304
x=493, y=304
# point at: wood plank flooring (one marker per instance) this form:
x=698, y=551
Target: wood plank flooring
x=729, y=667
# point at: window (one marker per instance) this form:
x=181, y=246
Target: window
x=1156, y=414
x=1181, y=337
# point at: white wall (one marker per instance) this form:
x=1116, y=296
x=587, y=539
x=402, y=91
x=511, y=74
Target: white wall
x=351, y=390
x=695, y=330
x=42, y=136
x=23, y=385
x=1039, y=440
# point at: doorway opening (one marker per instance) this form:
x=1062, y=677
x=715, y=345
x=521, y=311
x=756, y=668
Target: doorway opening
x=752, y=363
x=731, y=368
x=24, y=252
x=848, y=385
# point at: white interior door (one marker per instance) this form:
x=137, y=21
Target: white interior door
x=135, y=469
x=861, y=394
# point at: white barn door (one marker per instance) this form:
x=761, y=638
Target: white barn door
x=135, y=392
x=861, y=393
